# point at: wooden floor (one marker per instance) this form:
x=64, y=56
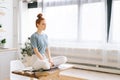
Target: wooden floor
x=90, y=75
x=71, y=78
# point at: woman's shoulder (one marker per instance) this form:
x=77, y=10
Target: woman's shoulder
x=45, y=34
x=34, y=34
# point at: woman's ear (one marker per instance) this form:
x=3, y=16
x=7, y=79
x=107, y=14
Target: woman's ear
x=37, y=25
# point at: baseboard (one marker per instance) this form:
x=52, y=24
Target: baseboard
x=100, y=68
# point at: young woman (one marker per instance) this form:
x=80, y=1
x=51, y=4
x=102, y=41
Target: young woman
x=39, y=42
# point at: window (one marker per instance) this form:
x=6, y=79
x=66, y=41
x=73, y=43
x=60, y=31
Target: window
x=92, y=21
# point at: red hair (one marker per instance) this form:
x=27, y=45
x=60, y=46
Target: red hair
x=40, y=18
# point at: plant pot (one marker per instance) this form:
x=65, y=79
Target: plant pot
x=2, y=45
x=26, y=60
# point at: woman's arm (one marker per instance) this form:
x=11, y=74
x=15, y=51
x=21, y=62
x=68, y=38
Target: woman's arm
x=49, y=56
x=38, y=54
x=48, y=53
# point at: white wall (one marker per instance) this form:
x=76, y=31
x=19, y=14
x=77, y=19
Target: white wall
x=10, y=22
x=16, y=21
x=7, y=21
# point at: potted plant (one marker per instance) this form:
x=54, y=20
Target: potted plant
x=1, y=29
x=2, y=42
x=0, y=26
x=27, y=53
x=27, y=50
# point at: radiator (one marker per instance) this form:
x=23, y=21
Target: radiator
x=92, y=59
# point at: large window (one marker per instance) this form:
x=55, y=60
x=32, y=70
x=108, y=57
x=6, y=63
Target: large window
x=70, y=21
x=92, y=21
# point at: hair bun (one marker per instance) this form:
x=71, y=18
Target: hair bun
x=39, y=15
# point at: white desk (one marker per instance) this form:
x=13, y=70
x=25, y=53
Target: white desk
x=52, y=74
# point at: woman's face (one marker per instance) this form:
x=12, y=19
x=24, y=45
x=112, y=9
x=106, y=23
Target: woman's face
x=42, y=25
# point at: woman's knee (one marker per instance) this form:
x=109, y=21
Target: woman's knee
x=64, y=59
x=60, y=59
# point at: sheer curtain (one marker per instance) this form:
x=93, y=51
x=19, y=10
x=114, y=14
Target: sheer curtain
x=78, y=20
x=115, y=25
x=62, y=22
x=61, y=17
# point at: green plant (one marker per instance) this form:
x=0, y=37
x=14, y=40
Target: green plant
x=27, y=50
x=3, y=41
x=0, y=26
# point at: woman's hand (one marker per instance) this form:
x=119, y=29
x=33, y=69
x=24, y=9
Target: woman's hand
x=51, y=62
x=49, y=57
